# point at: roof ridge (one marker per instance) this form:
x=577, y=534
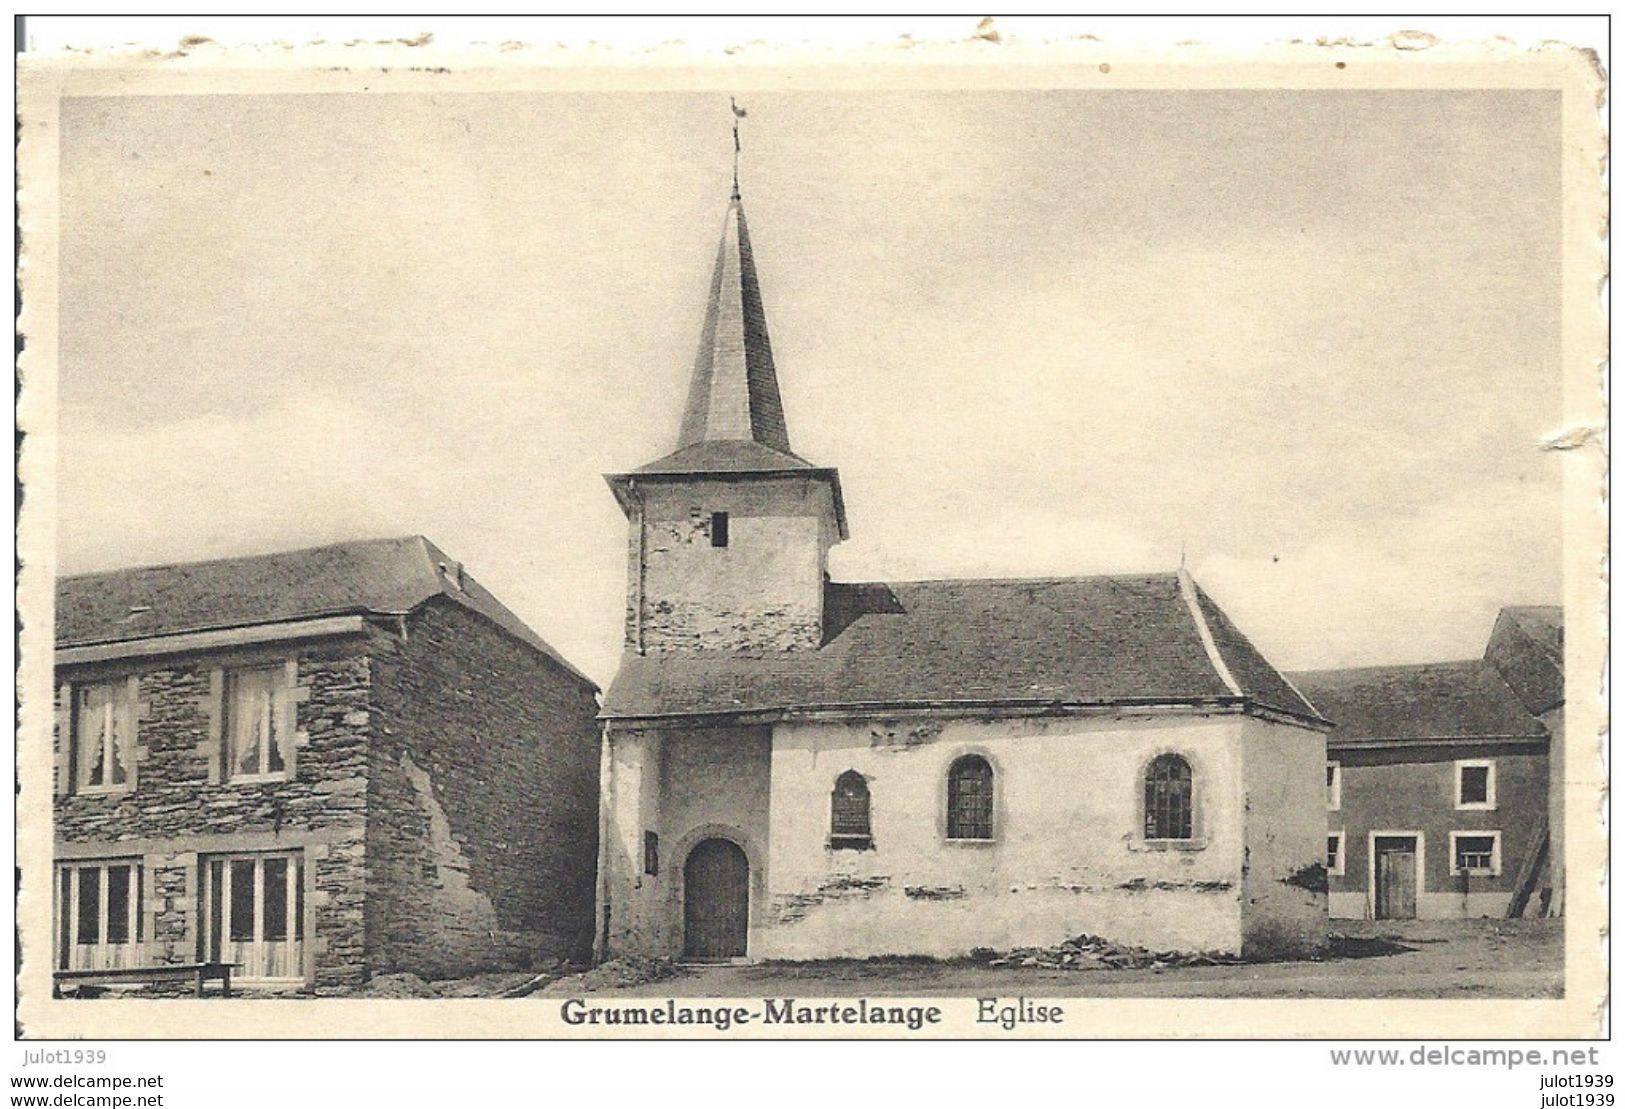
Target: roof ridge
x=218, y=560
x=1333, y=740
x=1389, y=666
x=1282, y=674
x=1051, y=579
x=1187, y=592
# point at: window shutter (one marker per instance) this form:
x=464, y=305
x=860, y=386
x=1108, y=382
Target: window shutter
x=286, y=713
x=130, y=731
x=64, y=739
x=217, y=734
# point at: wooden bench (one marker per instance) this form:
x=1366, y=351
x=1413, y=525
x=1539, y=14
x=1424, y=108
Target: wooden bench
x=196, y=973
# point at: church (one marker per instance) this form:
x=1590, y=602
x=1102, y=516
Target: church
x=799, y=768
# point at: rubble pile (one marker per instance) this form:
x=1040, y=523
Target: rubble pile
x=495, y=984
x=396, y=985
x=1088, y=952
x=626, y=970
x=516, y=983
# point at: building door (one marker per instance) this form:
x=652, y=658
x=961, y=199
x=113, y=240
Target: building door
x=716, y=900
x=1395, y=877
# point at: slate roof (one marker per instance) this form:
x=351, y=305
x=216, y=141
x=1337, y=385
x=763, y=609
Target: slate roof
x=1527, y=648
x=1542, y=623
x=735, y=456
x=1424, y=703
x=1092, y=641
x=366, y=577
x=734, y=391
x=733, y=420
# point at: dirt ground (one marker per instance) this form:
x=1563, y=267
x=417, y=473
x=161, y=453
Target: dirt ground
x=1433, y=958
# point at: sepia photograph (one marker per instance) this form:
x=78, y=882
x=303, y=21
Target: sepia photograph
x=993, y=545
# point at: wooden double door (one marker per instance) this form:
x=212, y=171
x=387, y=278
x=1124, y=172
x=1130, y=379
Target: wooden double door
x=716, y=901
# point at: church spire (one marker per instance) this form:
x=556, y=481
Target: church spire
x=733, y=434
x=734, y=392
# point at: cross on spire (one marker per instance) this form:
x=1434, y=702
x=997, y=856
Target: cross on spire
x=739, y=114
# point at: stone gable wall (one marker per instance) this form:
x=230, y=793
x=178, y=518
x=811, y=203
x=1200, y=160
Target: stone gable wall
x=484, y=793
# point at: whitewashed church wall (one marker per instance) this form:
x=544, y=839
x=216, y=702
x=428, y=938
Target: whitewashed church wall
x=631, y=804
x=1284, y=903
x=1068, y=854
x=714, y=783
x=685, y=786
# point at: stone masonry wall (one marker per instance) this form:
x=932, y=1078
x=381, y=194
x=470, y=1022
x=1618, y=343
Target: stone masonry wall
x=484, y=792
x=179, y=808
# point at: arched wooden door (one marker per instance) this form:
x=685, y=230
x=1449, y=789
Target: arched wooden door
x=716, y=900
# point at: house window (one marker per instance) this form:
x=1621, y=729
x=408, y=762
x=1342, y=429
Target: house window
x=1475, y=853
x=1334, y=853
x=256, y=723
x=1334, y=786
x=1475, y=784
x=651, y=853
x=254, y=913
x=719, y=529
x=970, y=798
x=98, y=915
x=103, y=735
x=849, y=810
x=1168, y=798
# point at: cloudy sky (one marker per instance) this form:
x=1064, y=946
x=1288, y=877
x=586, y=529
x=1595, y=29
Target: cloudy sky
x=1310, y=338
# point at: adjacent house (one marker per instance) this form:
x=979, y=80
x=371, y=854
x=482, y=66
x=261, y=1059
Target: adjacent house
x=801, y=768
x=1440, y=778
x=318, y=765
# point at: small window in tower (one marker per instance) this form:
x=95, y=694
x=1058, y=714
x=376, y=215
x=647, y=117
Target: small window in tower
x=719, y=529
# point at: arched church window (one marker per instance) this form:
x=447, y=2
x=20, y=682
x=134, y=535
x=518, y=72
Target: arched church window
x=849, y=809
x=1168, y=798
x=970, y=798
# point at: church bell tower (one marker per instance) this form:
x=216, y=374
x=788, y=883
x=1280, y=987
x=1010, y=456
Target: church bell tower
x=729, y=535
